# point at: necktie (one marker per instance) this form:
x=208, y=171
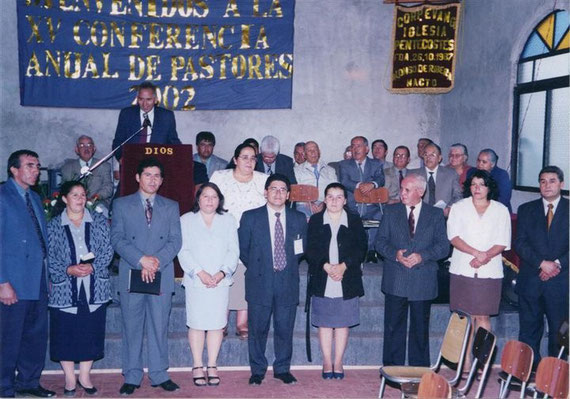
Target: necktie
x=36, y=223
x=549, y=216
x=431, y=186
x=144, y=133
x=412, y=222
x=148, y=211
x=401, y=178
x=361, y=206
x=269, y=170
x=279, y=260
x=360, y=170
x=316, y=172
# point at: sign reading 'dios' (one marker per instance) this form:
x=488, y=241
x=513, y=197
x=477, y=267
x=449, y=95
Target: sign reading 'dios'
x=201, y=54
x=424, y=48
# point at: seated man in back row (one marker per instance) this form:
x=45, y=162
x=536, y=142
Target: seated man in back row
x=205, y=143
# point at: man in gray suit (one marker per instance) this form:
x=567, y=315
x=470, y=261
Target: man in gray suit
x=412, y=238
x=99, y=182
x=205, y=143
x=443, y=188
x=396, y=173
x=145, y=232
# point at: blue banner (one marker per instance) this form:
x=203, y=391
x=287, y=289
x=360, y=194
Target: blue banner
x=201, y=54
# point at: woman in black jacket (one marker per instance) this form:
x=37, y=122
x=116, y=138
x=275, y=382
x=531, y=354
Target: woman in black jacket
x=336, y=247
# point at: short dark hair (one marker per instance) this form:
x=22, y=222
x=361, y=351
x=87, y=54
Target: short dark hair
x=364, y=139
x=489, y=182
x=402, y=147
x=206, y=136
x=147, y=85
x=240, y=147
x=429, y=141
x=381, y=142
x=552, y=169
x=278, y=177
x=336, y=185
x=493, y=157
x=64, y=190
x=253, y=143
x=14, y=159
x=150, y=163
x=220, y=209
x=438, y=148
x=300, y=144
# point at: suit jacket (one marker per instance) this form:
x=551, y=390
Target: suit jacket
x=132, y=238
x=447, y=186
x=283, y=165
x=99, y=182
x=352, y=247
x=534, y=243
x=257, y=255
x=349, y=177
x=216, y=163
x=392, y=176
x=163, y=127
x=21, y=260
x=430, y=241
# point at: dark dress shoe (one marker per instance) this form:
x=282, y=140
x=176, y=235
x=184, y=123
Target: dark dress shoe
x=168, y=385
x=255, y=379
x=338, y=376
x=328, y=375
x=68, y=393
x=128, y=389
x=39, y=392
x=371, y=257
x=88, y=391
x=287, y=378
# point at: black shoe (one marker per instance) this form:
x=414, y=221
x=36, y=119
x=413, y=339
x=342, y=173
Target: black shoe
x=287, y=378
x=168, y=385
x=255, y=379
x=88, y=391
x=39, y=392
x=128, y=389
x=371, y=257
x=68, y=393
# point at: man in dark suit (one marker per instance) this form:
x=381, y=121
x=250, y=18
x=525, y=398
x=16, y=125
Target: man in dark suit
x=23, y=280
x=272, y=240
x=99, y=182
x=270, y=161
x=364, y=174
x=443, y=189
x=542, y=245
x=160, y=122
x=145, y=232
x=412, y=238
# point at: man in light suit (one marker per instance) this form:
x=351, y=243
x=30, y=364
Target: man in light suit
x=270, y=161
x=205, y=143
x=23, y=280
x=145, y=232
x=395, y=174
x=412, y=238
x=443, y=189
x=364, y=174
x=272, y=240
x=161, y=122
x=542, y=245
x=99, y=182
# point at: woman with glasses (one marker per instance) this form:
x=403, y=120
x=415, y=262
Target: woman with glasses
x=243, y=189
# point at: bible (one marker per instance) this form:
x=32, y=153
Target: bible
x=138, y=286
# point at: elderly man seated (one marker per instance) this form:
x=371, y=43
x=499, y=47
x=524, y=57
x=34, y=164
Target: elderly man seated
x=316, y=173
x=487, y=160
x=99, y=183
x=270, y=161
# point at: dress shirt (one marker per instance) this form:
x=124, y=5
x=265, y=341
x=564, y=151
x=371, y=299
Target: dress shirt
x=143, y=200
x=362, y=165
x=150, y=115
x=417, y=209
x=272, y=219
x=554, y=205
x=428, y=171
x=271, y=167
x=22, y=192
x=305, y=174
x=83, y=164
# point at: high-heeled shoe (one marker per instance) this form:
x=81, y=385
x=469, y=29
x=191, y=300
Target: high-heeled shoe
x=68, y=393
x=328, y=375
x=338, y=376
x=88, y=391
x=201, y=380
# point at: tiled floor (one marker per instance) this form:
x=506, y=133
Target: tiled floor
x=358, y=383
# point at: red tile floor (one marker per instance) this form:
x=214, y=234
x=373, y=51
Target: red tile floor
x=358, y=383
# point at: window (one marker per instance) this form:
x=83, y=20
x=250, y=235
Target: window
x=541, y=125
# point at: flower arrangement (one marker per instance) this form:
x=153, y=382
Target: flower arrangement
x=94, y=204
x=49, y=205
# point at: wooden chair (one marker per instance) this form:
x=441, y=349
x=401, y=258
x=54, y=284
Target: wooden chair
x=483, y=347
x=303, y=193
x=434, y=386
x=452, y=350
x=552, y=378
x=378, y=195
x=516, y=362
x=563, y=338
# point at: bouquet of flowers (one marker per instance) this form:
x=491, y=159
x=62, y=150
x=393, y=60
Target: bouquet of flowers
x=94, y=204
x=49, y=205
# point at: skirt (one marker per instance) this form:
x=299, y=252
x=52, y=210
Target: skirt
x=335, y=312
x=475, y=296
x=206, y=308
x=237, y=290
x=77, y=337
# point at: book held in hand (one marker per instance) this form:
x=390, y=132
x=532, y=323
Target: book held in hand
x=87, y=258
x=138, y=286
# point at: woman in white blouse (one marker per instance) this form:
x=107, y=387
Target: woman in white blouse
x=479, y=229
x=209, y=256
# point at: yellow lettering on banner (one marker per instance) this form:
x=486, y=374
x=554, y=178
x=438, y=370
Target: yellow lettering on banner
x=90, y=68
x=231, y=7
x=46, y=3
x=152, y=8
x=106, y=73
x=118, y=33
x=245, y=36
x=154, y=40
x=286, y=63
x=254, y=62
x=136, y=67
x=103, y=32
x=35, y=30
x=209, y=37
x=206, y=67
x=270, y=66
x=275, y=9
x=54, y=61
x=261, y=39
x=34, y=68
x=136, y=35
x=223, y=61
x=221, y=33
x=239, y=66
x=76, y=32
x=168, y=12
x=172, y=33
x=67, y=65
x=116, y=8
x=35, y=27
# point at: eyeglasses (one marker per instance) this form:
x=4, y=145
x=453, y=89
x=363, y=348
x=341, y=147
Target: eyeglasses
x=246, y=158
x=85, y=145
x=431, y=155
x=275, y=190
x=400, y=156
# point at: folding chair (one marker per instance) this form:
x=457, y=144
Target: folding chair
x=434, y=386
x=452, y=350
x=483, y=347
x=516, y=362
x=303, y=193
x=563, y=338
x=378, y=195
x=552, y=378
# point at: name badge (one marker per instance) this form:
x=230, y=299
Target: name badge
x=298, y=246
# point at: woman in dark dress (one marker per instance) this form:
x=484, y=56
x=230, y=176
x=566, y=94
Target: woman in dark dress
x=336, y=247
x=79, y=250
